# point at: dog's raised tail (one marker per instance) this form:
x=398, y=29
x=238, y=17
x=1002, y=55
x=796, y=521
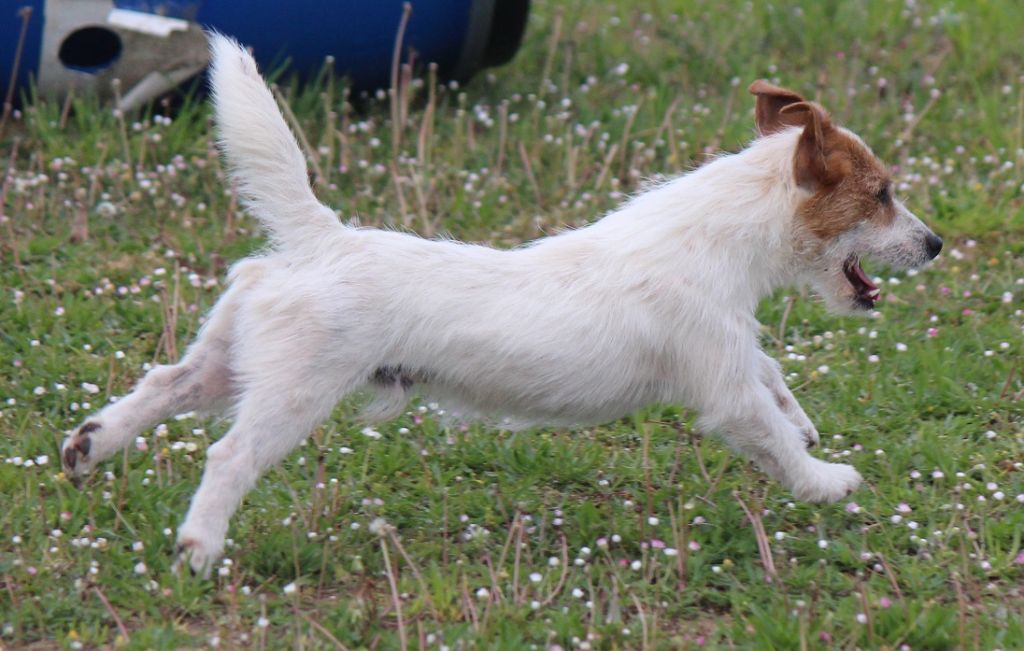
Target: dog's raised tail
x=261, y=152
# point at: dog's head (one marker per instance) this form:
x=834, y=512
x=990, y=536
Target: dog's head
x=849, y=210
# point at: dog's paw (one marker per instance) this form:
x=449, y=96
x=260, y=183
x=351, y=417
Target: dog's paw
x=825, y=482
x=195, y=555
x=810, y=436
x=75, y=452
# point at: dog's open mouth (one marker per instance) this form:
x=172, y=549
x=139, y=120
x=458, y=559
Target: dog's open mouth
x=865, y=291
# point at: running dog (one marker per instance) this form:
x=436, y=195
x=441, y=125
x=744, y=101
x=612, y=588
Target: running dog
x=653, y=303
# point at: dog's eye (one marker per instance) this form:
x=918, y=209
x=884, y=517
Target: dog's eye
x=883, y=195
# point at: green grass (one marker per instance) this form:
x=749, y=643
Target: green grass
x=118, y=234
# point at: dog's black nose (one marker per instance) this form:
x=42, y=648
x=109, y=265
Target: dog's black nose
x=934, y=244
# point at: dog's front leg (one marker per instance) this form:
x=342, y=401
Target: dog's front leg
x=771, y=376
x=752, y=423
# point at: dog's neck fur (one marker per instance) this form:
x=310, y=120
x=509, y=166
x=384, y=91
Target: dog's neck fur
x=744, y=203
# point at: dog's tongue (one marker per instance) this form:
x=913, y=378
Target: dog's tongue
x=870, y=289
x=863, y=277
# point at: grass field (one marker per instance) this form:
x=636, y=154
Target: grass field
x=640, y=534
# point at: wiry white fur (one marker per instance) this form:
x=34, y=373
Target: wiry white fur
x=653, y=303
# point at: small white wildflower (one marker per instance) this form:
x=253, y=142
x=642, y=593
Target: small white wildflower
x=378, y=526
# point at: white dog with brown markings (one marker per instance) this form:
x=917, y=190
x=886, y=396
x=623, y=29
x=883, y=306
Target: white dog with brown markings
x=653, y=303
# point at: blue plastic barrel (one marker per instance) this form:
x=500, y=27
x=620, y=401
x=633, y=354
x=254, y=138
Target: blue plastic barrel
x=460, y=36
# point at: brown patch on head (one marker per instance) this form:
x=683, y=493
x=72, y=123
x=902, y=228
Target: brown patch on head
x=850, y=185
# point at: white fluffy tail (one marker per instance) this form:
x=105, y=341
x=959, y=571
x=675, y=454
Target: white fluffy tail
x=261, y=151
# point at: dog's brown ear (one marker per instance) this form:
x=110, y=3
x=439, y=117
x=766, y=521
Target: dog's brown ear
x=811, y=165
x=771, y=100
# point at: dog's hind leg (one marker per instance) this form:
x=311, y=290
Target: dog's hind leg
x=752, y=423
x=272, y=419
x=201, y=381
x=771, y=376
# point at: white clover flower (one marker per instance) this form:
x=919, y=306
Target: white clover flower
x=378, y=526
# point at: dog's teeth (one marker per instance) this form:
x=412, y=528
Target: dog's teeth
x=874, y=294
